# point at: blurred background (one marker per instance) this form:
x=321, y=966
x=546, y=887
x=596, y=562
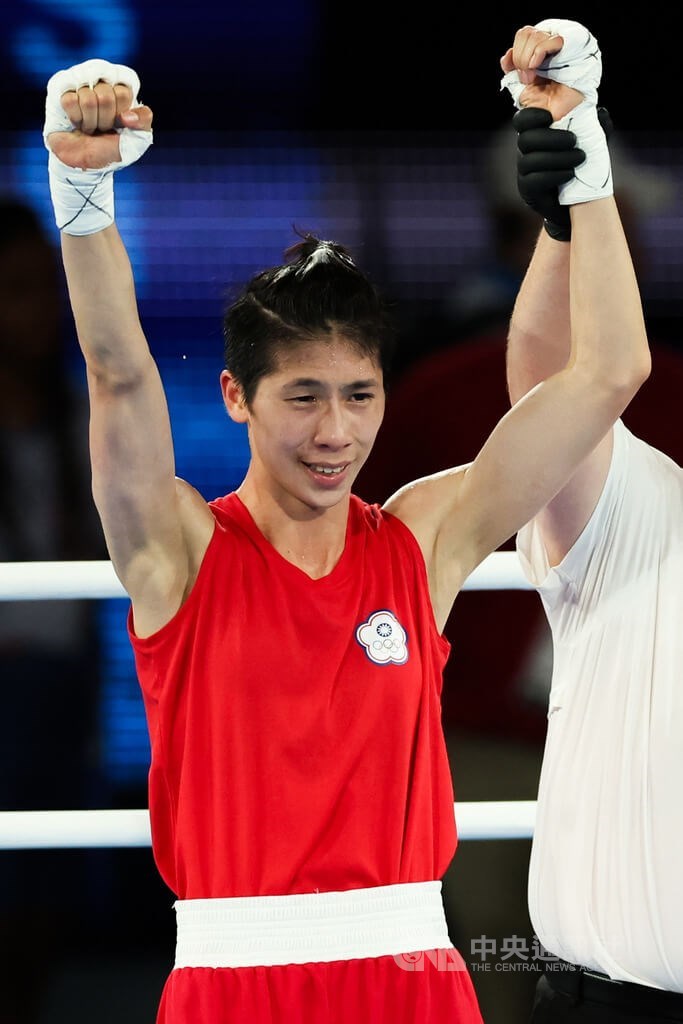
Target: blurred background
x=385, y=130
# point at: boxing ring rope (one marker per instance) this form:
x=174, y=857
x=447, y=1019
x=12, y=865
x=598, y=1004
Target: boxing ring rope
x=22, y=830
x=47, y=581
x=43, y=830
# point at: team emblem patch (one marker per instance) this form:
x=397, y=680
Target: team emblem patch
x=383, y=638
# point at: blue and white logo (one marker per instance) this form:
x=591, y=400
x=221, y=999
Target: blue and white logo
x=384, y=639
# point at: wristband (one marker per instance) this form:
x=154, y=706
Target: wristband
x=83, y=201
x=592, y=178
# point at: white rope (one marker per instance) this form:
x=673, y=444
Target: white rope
x=57, y=830
x=35, y=581
x=53, y=830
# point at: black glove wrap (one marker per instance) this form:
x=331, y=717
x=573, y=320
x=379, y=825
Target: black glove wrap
x=546, y=158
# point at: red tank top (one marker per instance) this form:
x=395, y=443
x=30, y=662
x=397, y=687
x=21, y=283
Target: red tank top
x=295, y=724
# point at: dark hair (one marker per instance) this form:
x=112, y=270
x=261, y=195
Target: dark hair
x=317, y=291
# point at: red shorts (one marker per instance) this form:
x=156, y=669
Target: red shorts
x=422, y=989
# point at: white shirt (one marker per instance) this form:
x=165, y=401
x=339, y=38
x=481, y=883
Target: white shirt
x=606, y=871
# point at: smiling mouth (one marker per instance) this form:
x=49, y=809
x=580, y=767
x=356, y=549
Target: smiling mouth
x=326, y=470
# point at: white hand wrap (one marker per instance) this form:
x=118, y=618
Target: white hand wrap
x=578, y=65
x=83, y=200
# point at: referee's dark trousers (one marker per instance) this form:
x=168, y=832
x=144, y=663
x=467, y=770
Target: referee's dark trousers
x=567, y=994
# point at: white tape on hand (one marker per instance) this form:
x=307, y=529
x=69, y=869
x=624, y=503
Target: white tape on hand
x=83, y=199
x=578, y=65
x=74, y=78
x=592, y=178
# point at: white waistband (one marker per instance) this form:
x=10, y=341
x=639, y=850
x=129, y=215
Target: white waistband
x=311, y=928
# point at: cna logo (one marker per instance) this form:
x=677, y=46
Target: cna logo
x=448, y=959
x=384, y=639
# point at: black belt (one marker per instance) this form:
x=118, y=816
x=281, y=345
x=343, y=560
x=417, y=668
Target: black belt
x=583, y=983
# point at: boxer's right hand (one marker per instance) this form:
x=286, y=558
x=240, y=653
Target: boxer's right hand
x=87, y=111
x=530, y=49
